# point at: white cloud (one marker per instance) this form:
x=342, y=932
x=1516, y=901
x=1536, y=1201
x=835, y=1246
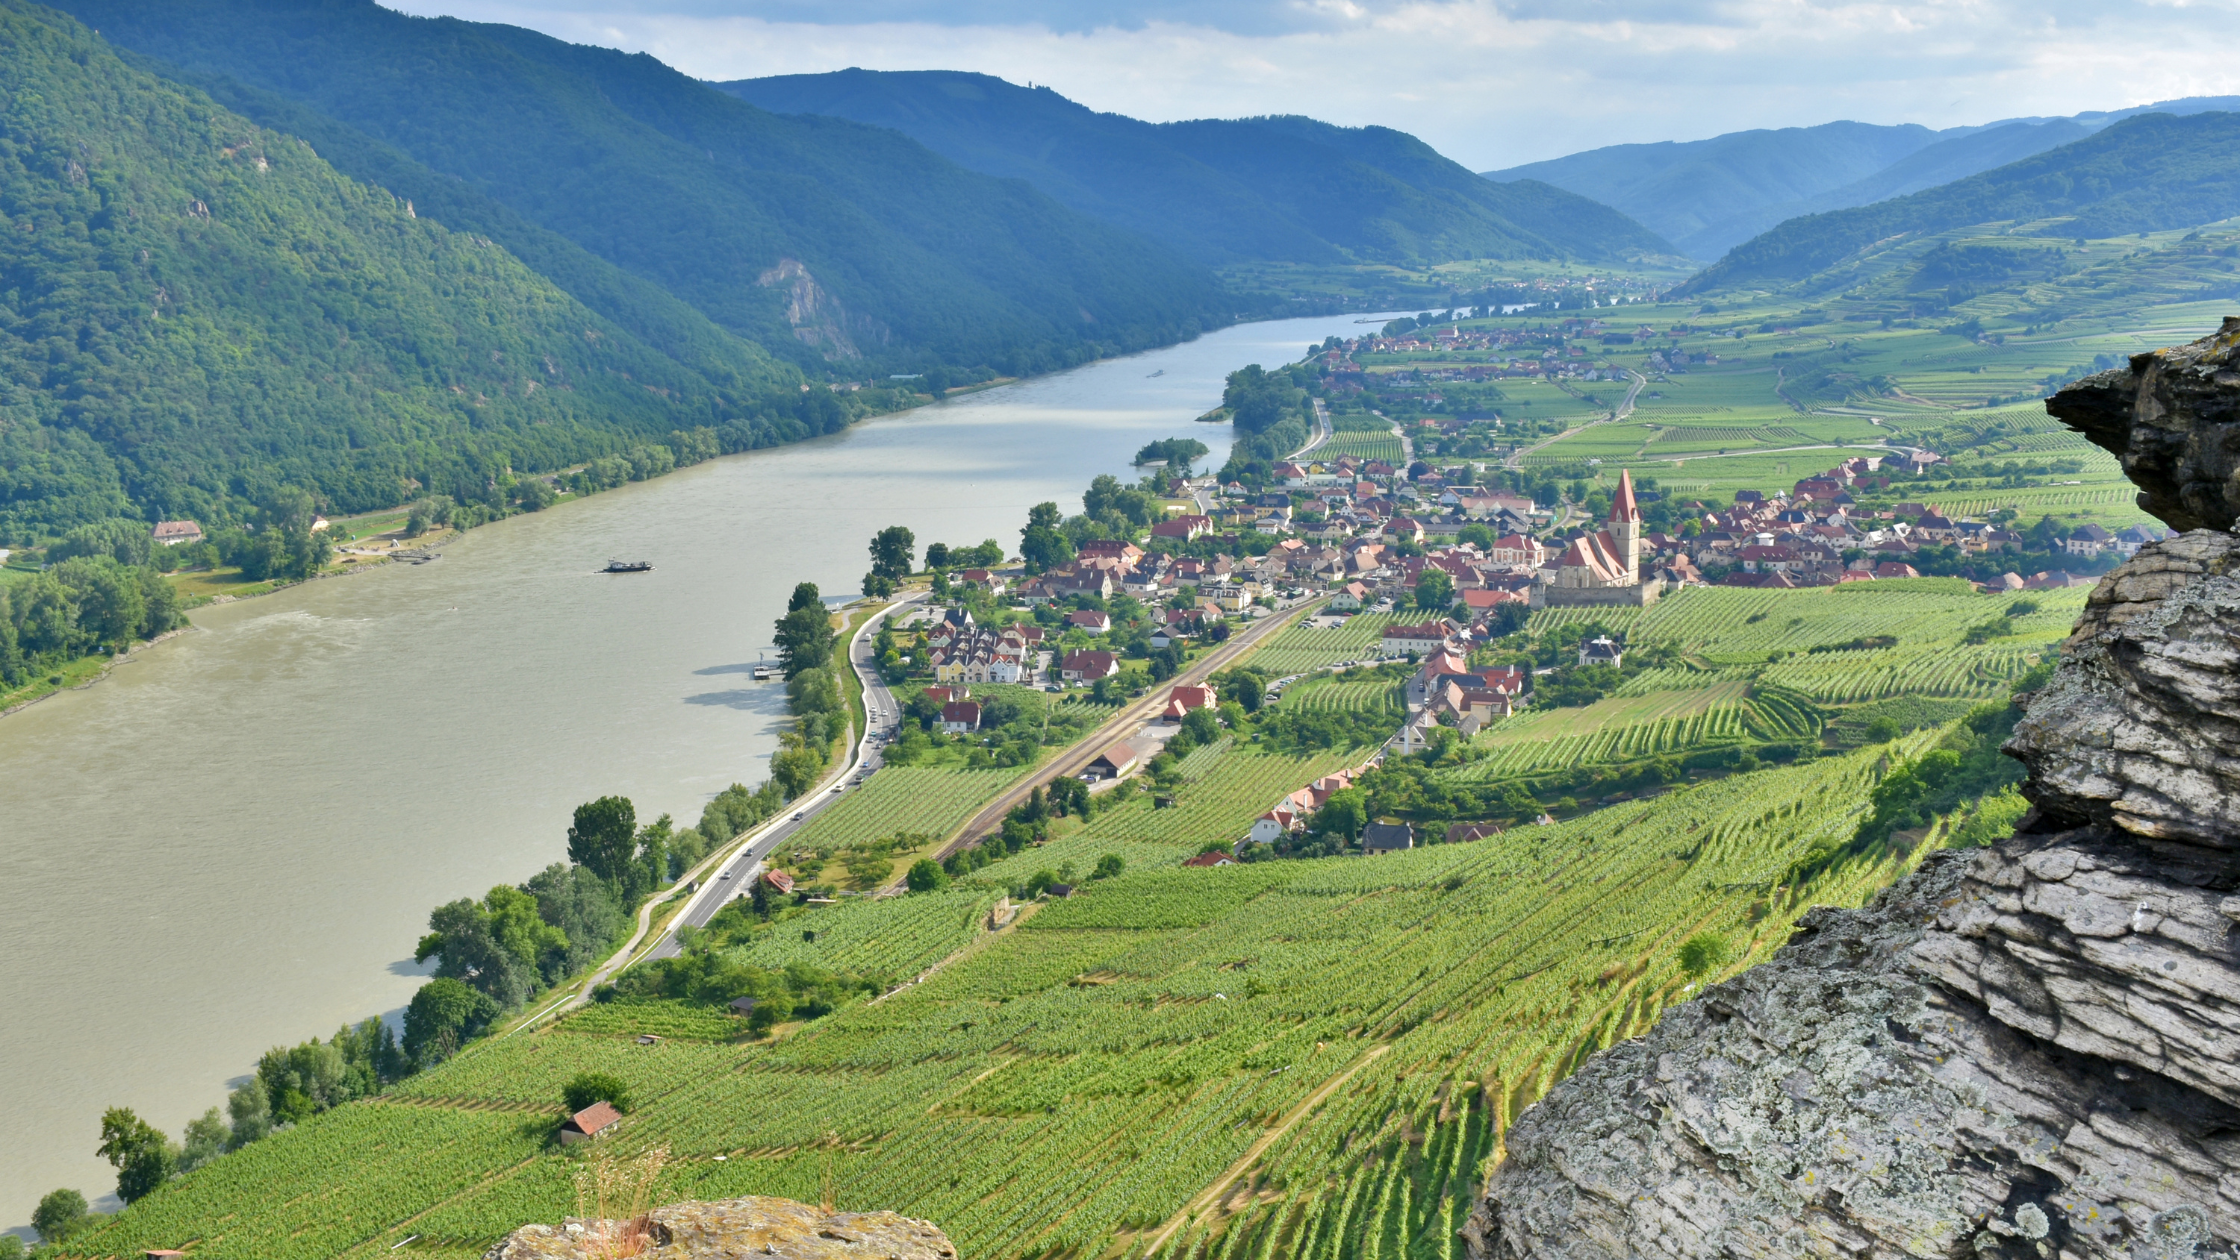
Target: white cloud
x=1490, y=84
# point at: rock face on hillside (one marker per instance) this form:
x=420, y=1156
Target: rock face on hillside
x=733, y=1229
x=2027, y=1050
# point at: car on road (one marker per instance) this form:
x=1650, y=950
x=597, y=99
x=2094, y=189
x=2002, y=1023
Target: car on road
x=799, y=817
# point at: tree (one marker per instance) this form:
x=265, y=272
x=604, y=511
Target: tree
x=804, y=596
x=1044, y=515
x=1248, y=690
x=60, y=1214
x=891, y=552
x=1477, y=532
x=206, y=1138
x=1109, y=865
x=1043, y=548
x=593, y=1087
x=1704, y=952
x=251, y=1112
x=442, y=1016
x=603, y=836
x=805, y=636
x=795, y=767
x=758, y=896
x=138, y=1151
x=1434, y=590
x=1882, y=730
x=926, y=875
x=1343, y=815
x=937, y=555
x=1201, y=726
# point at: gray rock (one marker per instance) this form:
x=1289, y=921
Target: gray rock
x=2173, y=418
x=731, y=1229
x=2029, y=1050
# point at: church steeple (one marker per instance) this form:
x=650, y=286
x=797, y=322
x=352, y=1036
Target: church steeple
x=1623, y=508
x=1625, y=527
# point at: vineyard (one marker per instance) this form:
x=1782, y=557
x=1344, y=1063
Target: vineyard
x=1091, y=1082
x=901, y=799
x=1304, y=648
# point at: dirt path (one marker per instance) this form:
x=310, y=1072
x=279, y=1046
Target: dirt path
x=1212, y=1194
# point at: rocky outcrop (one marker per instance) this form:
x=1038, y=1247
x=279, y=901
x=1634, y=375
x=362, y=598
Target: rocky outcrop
x=2026, y=1050
x=733, y=1229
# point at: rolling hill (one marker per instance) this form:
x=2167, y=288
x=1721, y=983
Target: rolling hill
x=2150, y=172
x=821, y=239
x=1271, y=189
x=1708, y=196
x=198, y=309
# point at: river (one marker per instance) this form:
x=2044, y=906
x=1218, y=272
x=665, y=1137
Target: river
x=234, y=841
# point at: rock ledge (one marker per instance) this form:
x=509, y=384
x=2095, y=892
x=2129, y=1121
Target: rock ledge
x=734, y=1229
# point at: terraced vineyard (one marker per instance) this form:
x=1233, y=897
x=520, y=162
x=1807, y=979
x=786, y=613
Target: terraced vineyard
x=1076, y=1085
x=1656, y=723
x=902, y=798
x=1303, y=648
x=1338, y=695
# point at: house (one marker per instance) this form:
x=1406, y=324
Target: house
x=1090, y=620
x=1420, y=640
x=1386, y=838
x=1118, y=758
x=2087, y=540
x=172, y=533
x=741, y=1005
x=1273, y=826
x=1465, y=833
x=1186, y=526
x=1894, y=569
x=1058, y=892
x=1403, y=529
x=1601, y=651
x=1088, y=667
x=2130, y=540
x=960, y=718
x=1518, y=549
x=993, y=583
x=1211, y=859
x=1182, y=700
x=778, y=880
x=948, y=695
x=589, y=1123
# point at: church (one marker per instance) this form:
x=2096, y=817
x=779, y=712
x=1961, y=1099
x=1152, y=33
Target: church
x=1601, y=569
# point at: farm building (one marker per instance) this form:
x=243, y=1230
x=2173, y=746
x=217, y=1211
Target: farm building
x=589, y=1123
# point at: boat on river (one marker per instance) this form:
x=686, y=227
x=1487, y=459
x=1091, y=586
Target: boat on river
x=629, y=566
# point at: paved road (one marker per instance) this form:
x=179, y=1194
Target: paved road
x=1128, y=721
x=731, y=879
x=1322, y=431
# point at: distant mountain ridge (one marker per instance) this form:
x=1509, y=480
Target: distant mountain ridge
x=2148, y=172
x=1708, y=196
x=819, y=239
x=1274, y=188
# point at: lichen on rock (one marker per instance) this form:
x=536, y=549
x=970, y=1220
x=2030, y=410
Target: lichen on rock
x=733, y=1229
x=2027, y=1050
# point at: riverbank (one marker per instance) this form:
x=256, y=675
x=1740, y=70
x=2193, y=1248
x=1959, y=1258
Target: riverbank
x=294, y=785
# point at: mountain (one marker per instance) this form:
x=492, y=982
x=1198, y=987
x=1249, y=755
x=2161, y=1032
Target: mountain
x=1281, y=189
x=198, y=309
x=821, y=239
x=2150, y=172
x=1708, y=196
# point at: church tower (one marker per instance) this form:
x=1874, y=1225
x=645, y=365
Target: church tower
x=1625, y=527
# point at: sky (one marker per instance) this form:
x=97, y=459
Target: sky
x=1490, y=83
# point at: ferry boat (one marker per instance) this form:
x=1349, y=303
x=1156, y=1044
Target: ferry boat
x=629, y=566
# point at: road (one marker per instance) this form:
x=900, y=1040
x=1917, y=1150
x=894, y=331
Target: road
x=729, y=878
x=1620, y=412
x=1322, y=431
x=1130, y=719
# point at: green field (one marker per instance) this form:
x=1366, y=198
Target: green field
x=1304, y=648
x=1072, y=1086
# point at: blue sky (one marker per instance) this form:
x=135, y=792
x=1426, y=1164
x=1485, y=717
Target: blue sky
x=1491, y=83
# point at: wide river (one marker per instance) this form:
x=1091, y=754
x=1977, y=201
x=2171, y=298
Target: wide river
x=234, y=841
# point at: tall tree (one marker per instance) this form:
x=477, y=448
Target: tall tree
x=804, y=596
x=60, y=1214
x=138, y=1151
x=892, y=550
x=604, y=836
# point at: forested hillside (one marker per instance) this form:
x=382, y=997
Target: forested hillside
x=1707, y=196
x=198, y=310
x=1271, y=189
x=2148, y=173
x=822, y=239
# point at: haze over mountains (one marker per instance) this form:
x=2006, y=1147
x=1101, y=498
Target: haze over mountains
x=1266, y=189
x=1707, y=196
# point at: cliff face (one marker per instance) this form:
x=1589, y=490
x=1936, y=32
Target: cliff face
x=2026, y=1050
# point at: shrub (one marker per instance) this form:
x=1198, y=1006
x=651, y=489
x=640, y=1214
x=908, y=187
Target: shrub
x=1703, y=953
x=591, y=1087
